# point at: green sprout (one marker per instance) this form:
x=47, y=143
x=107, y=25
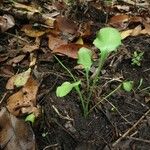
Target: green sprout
x=107, y=41
x=137, y=58
x=127, y=86
x=30, y=118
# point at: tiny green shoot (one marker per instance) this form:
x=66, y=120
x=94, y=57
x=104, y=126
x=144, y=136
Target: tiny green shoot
x=137, y=58
x=30, y=118
x=127, y=86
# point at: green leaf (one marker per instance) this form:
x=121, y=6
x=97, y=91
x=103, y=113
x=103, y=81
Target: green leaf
x=85, y=58
x=30, y=118
x=107, y=39
x=65, y=88
x=128, y=86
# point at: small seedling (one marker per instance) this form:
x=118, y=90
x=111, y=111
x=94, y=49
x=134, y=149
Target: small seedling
x=137, y=58
x=107, y=41
x=127, y=86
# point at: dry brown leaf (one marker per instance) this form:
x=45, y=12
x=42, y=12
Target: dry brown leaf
x=136, y=31
x=24, y=101
x=32, y=32
x=15, y=134
x=147, y=29
x=30, y=47
x=55, y=41
x=65, y=25
x=6, y=71
x=26, y=7
x=15, y=60
x=6, y=22
x=70, y=50
x=120, y=21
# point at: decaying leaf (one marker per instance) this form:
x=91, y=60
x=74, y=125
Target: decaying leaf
x=120, y=21
x=65, y=25
x=26, y=7
x=6, y=22
x=55, y=41
x=32, y=32
x=70, y=50
x=18, y=79
x=15, y=134
x=6, y=71
x=15, y=60
x=24, y=101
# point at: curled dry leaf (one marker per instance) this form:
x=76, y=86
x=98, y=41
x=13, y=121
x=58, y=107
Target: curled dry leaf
x=6, y=22
x=24, y=101
x=120, y=21
x=15, y=134
x=18, y=79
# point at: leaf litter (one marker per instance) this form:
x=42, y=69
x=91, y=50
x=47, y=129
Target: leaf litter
x=49, y=28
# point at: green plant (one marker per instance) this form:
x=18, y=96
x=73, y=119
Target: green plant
x=107, y=41
x=30, y=118
x=137, y=58
x=127, y=86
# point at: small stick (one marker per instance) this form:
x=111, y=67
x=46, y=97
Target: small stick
x=133, y=127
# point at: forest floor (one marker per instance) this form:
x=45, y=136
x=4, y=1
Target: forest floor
x=121, y=121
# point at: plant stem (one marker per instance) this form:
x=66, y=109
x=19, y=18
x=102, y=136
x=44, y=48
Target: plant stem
x=66, y=69
x=77, y=88
x=102, y=59
x=87, y=79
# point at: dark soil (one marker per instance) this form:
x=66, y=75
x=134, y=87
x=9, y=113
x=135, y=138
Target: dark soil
x=62, y=125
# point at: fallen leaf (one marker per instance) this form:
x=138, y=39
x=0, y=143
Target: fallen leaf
x=70, y=50
x=55, y=41
x=6, y=22
x=6, y=71
x=15, y=134
x=65, y=25
x=18, y=79
x=136, y=31
x=24, y=101
x=15, y=60
x=26, y=7
x=120, y=21
x=31, y=47
x=32, y=32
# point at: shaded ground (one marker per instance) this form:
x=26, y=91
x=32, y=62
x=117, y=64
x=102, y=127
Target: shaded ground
x=62, y=125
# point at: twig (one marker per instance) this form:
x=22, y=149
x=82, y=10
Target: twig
x=133, y=127
x=138, y=139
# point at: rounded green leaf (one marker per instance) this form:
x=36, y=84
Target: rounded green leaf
x=128, y=86
x=85, y=58
x=107, y=39
x=64, y=89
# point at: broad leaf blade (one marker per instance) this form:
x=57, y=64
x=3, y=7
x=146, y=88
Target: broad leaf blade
x=65, y=88
x=108, y=39
x=85, y=58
